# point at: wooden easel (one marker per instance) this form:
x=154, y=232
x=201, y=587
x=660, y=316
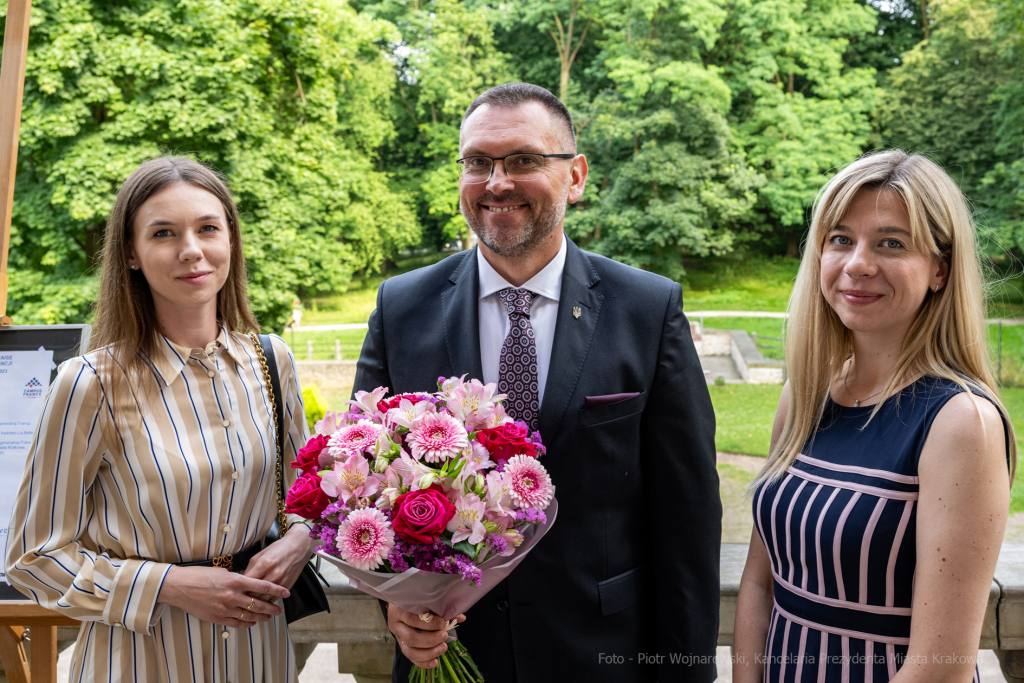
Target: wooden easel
x=42, y=625
x=12, y=83
x=16, y=617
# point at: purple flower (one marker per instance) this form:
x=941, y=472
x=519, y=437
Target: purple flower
x=498, y=544
x=532, y=516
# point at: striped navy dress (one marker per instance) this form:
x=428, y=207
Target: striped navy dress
x=839, y=528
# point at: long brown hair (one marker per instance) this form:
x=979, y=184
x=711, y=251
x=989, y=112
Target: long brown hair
x=126, y=321
x=947, y=339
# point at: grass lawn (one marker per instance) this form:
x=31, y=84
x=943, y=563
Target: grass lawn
x=753, y=283
x=744, y=415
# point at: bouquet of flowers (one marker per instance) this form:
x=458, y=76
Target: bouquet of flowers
x=426, y=501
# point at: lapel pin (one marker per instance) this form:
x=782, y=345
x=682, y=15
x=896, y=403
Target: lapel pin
x=576, y=312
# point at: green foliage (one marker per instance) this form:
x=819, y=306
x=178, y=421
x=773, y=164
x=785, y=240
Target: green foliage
x=669, y=184
x=288, y=98
x=444, y=56
x=40, y=299
x=709, y=127
x=315, y=405
x=799, y=111
x=940, y=100
x=1004, y=183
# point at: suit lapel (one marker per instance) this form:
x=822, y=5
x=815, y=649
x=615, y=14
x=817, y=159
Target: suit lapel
x=572, y=336
x=462, y=319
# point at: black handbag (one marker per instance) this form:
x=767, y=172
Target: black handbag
x=307, y=595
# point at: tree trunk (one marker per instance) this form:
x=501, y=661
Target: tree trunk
x=793, y=245
x=924, y=19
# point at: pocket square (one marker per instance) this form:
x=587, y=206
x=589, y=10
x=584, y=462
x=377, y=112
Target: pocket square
x=595, y=401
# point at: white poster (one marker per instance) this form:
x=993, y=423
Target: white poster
x=24, y=378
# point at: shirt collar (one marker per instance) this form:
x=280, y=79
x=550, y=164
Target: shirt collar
x=546, y=283
x=171, y=357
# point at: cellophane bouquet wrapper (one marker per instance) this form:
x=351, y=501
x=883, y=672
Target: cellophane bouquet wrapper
x=426, y=500
x=445, y=595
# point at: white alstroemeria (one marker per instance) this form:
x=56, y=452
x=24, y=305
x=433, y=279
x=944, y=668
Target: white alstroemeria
x=449, y=386
x=367, y=401
x=412, y=472
x=391, y=490
x=332, y=422
x=498, y=496
x=474, y=460
x=473, y=401
x=497, y=418
x=407, y=413
x=468, y=522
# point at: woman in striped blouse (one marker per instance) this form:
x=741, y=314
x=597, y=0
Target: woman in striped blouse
x=880, y=512
x=156, y=450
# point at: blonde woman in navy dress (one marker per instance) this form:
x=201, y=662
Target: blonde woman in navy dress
x=156, y=449
x=880, y=512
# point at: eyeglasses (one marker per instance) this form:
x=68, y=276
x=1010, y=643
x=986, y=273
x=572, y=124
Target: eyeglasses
x=474, y=170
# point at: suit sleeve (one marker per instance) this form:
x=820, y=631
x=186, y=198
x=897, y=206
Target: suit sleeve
x=678, y=433
x=372, y=369
x=372, y=372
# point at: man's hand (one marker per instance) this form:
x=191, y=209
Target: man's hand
x=219, y=596
x=421, y=641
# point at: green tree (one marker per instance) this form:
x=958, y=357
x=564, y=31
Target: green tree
x=565, y=22
x=898, y=29
x=445, y=57
x=940, y=100
x=287, y=97
x=668, y=185
x=798, y=110
x=1003, y=185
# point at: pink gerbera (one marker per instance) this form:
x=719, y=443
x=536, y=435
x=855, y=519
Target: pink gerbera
x=357, y=438
x=365, y=538
x=437, y=437
x=528, y=482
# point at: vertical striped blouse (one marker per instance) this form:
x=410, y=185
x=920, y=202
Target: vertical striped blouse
x=95, y=529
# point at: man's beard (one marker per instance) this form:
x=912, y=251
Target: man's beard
x=523, y=238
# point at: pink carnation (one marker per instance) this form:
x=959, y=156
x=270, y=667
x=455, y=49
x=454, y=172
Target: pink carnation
x=357, y=438
x=528, y=482
x=365, y=538
x=437, y=437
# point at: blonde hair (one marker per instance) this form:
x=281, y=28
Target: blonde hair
x=947, y=339
x=126, y=321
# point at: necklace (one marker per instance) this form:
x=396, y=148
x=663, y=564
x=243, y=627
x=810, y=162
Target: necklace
x=856, y=401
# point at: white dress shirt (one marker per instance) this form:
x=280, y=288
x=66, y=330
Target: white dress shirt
x=494, y=323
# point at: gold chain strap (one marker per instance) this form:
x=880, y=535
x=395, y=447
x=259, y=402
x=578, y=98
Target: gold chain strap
x=282, y=519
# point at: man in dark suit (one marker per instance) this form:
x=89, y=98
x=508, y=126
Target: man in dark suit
x=598, y=356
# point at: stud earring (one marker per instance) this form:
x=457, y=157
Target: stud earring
x=133, y=267
x=935, y=289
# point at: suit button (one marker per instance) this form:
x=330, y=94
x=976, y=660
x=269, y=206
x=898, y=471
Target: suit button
x=503, y=605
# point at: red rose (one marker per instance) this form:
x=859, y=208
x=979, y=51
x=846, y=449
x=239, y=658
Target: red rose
x=420, y=516
x=305, y=498
x=384, y=405
x=507, y=441
x=308, y=457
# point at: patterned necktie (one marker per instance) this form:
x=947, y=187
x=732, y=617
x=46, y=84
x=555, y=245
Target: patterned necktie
x=517, y=368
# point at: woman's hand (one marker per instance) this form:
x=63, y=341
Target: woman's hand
x=282, y=561
x=219, y=596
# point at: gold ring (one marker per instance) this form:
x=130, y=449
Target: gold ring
x=252, y=601
x=240, y=615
